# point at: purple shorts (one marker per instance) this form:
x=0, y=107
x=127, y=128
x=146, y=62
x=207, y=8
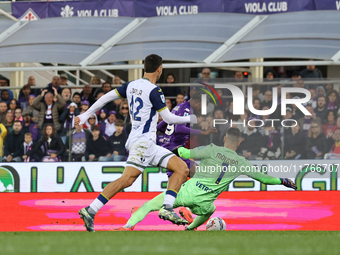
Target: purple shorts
x=189, y=163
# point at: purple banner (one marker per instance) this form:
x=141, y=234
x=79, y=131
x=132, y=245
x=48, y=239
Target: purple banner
x=175, y=7
x=327, y=5
x=267, y=7
x=150, y=8
x=105, y=8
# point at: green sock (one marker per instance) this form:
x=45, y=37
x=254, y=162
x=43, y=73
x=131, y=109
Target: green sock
x=153, y=205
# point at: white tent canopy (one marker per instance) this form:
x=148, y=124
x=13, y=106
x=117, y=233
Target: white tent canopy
x=207, y=39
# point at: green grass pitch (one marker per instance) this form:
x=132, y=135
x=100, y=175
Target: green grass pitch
x=171, y=242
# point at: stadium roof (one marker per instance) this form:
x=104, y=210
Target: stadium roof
x=203, y=39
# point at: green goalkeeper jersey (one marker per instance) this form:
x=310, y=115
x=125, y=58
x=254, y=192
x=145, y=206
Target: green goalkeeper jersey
x=218, y=168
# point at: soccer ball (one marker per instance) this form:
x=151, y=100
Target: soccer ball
x=216, y=223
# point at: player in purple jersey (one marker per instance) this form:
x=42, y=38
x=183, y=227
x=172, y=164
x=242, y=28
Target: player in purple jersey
x=178, y=135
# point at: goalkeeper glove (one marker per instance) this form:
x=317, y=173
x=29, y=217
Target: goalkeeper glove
x=288, y=183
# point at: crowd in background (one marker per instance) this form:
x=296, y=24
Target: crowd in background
x=38, y=126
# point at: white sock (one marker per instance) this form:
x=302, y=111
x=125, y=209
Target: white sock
x=169, y=200
x=96, y=205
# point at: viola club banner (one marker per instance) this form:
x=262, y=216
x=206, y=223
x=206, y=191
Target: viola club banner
x=148, y=8
x=94, y=176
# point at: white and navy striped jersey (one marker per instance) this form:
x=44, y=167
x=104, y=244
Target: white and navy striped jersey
x=145, y=101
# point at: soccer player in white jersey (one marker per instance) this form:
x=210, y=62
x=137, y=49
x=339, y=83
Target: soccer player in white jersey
x=146, y=100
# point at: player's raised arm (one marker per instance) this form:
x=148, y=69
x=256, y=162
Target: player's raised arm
x=108, y=97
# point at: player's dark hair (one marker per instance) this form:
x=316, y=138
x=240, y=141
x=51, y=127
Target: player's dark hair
x=152, y=62
x=233, y=135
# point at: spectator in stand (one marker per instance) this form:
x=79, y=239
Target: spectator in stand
x=84, y=106
x=124, y=115
x=238, y=76
x=13, y=143
x=307, y=120
x=321, y=108
x=53, y=146
x=338, y=122
x=242, y=121
x=229, y=113
x=334, y=152
x=5, y=83
x=296, y=76
x=256, y=92
x=328, y=87
x=221, y=129
x=117, y=143
x=329, y=125
x=313, y=99
x=29, y=126
x=66, y=95
x=92, y=121
x=333, y=100
x=311, y=72
x=299, y=84
x=320, y=91
x=9, y=121
x=18, y=115
x=251, y=142
x=55, y=84
x=268, y=97
x=77, y=99
x=295, y=143
x=102, y=116
x=106, y=87
x=23, y=101
x=95, y=80
x=96, y=146
x=48, y=109
x=297, y=113
x=77, y=139
x=257, y=106
x=168, y=103
x=108, y=127
x=86, y=94
x=67, y=119
x=179, y=99
x=35, y=113
x=111, y=106
x=3, y=134
x=12, y=105
x=63, y=79
x=316, y=144
x=116, y=80
x=116, y=104
x=271, y=145
x=169, y=90
x=6, y=96
x=3, y=111
x=26, y=146
x=31, y=83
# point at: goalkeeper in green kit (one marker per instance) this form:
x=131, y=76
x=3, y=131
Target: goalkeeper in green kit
x=219, y=167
